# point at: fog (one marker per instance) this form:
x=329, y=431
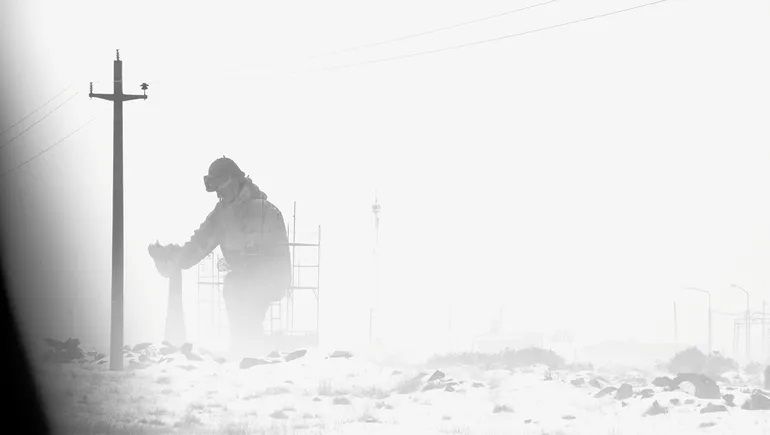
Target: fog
x=573, y=180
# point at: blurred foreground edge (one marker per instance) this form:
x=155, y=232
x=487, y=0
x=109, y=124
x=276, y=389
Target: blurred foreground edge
x=23, y=406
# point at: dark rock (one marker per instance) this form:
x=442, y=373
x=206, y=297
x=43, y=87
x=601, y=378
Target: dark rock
x=438, y=374
x=674, y=401
x=707, y=424
x=729, y=399
x=656, y=409
x=279, y=414
x=62, y=352
x=713, y=408
x=528, y=421
x=316, y=399
x=501, y=408
x=577, y=382
x=663, y=381
x=294, y=355
x=141, y=346
x=477, y=385
x=647, y=393
x=274, y=354
x=767, y=377
x=396, y=372
x=168, y=350
x=595, y=383
x=757, y=401
x=449, y=388
x=193, y=356
x=568, y=417
x=689, y=401
x=341, y=354
x=605, y=391
x=251, y=362
x=624, y=392
x=705, y=387
x=341, y=401
x=186, y=348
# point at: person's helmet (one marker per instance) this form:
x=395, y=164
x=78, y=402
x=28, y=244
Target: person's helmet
x=220, y=171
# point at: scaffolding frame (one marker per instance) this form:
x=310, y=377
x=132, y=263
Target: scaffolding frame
x=280, y=313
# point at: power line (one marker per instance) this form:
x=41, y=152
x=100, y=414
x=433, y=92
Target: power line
x=489, y=40
x=49, y=148
x=438, y=29
x=34, y=111
x=39, y=120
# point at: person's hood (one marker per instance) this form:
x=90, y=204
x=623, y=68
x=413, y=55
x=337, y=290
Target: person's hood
x=249, y=190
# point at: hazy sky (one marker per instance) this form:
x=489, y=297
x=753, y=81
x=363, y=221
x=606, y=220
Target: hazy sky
x=577, y=177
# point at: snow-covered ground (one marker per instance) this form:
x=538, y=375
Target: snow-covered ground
x=185, y=390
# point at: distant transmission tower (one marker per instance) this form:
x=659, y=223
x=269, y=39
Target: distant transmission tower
x=376, y=208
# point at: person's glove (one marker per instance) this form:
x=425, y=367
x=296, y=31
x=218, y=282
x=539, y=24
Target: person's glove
x=165, y=257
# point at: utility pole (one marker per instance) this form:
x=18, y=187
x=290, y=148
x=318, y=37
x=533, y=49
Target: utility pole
x=676, y=328
x=376, y=207
x=117, y=97
x=748, y=322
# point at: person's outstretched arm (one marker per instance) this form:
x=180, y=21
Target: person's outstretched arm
x=174, y=257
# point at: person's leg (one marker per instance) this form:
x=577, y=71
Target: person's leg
x=236, y=312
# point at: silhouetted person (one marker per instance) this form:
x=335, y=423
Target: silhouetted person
x=251, y=233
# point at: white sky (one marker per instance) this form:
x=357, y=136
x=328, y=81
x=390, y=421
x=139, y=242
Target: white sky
x=577, y=177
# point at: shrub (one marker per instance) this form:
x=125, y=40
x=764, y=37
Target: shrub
x=508, y=358
x=692, y=360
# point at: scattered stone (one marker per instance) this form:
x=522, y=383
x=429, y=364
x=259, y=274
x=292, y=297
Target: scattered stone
x=757, y=401
x=294, y=355
x=274, y=354
x=577, y=382
x=369, y=419
x=767, y=377
x=713, y=408
x=647, y=393
x=141, y=346
x=528, y=421
x=316, y=399
x=396, y=372
x=674, y=401
x=449, y=388
x=193, y=356
x=689, y=401
x=341, y=401
x=63, y=351
x=623, y=404
x=707, y=424
x=568, y=417
x=729, y=399
x=438, y=374
x=704, y=387
x=446, y=417
x=168, y=350
x=663, y=381
x=605, y=391
x=187, y=367
x=656, y=409
x=624, y=392
x=279, y=414
x=477, y=385
x=251, y=362
x=501, y=408
x=595, y=383
x=341, y=354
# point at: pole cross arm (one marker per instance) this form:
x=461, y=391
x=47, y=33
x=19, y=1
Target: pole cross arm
x=109, y=97
x=125, y=97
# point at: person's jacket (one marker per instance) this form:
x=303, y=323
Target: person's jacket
x=251, y=233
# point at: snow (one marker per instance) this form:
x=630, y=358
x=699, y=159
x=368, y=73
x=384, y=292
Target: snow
x=315, y=393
